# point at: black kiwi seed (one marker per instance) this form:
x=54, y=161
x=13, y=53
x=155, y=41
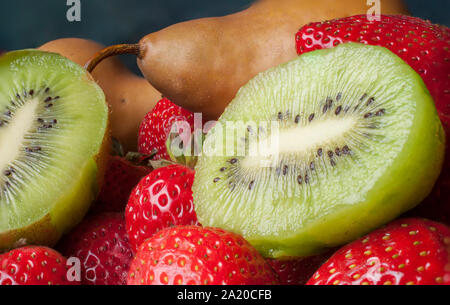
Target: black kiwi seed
x=233, y=161
x=8, y=113
x=330, y=154
x=346, y=150
x=33, y=149
x=333, y=163
x=330, y=103
x=31, y=92
x=49, y=105
x=363, y=97
x=320, y=152
x=280, y=116
x=48, y=99
x=380, y=112
x=285, y=170
x=325, y=108
x=368, y=115
x=216, y=180
x=251, y=185
x=300, y=179
x=311, y=117
x=223, y=169
x=7, y=173
x=338, y=152
x=370, y=101
x=339, y=97
x=312, y=166
x=297, y=119
x=338, y=110
x=40, y=120
x=47, y=90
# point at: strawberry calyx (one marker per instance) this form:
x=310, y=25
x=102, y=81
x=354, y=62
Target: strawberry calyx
x=185, y=151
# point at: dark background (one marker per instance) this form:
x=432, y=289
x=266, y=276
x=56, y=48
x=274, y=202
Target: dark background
x=31, y=23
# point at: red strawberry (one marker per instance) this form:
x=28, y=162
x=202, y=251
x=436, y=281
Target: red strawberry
x=33, y=266
x=121, y=177
x=437, y=205
x=160, y=200
x=297, y=271
x=157, y=125
x=199, y=256
x=409, y=251
x=102, y=245
x=424, y=46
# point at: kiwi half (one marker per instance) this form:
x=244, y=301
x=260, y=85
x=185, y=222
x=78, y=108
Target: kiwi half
x=330, y=146
x=53, y=126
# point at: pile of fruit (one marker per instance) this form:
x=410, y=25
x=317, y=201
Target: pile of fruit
x=325, y=166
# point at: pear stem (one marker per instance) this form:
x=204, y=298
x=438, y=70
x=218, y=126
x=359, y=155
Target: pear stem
x=120, y=49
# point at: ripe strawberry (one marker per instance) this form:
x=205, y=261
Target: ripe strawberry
x=437, y=205
x=160, y=200
x=102, y=245
x=33, y=266
x=157, y=125
x=406, y=252
x=199, y=256
x=424, y=46
x=297, y=271
x=121, y=177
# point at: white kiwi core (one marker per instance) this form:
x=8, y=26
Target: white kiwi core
x=301, y=141
x=11, y=136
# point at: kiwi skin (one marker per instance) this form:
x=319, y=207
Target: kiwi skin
x=49, y=230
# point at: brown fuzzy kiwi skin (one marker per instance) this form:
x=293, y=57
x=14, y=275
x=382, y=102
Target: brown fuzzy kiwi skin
x=129, y=96
x=44, y=232
x=201, y=64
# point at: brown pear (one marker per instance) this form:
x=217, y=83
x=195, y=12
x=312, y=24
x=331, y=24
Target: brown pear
x=201, y=64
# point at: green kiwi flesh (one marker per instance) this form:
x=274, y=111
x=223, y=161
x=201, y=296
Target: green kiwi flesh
x=53, y=124
x=330, y=146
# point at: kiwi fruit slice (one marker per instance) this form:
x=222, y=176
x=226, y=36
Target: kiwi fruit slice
x=320, y=150
x=53, y=143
